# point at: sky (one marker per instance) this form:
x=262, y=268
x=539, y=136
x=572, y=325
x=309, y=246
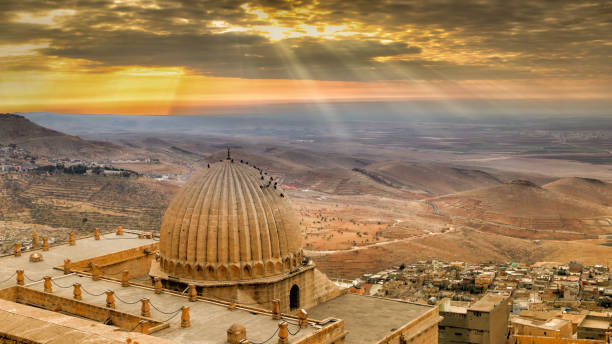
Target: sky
x=188, y=57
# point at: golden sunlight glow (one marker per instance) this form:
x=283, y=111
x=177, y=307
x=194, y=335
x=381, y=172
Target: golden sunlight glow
x=146, y=90
x=21, y=49
x=50, y=18
x=282, y=24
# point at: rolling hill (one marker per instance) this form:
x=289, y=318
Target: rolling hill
x=586, y=189
x=40, y=141
x=521, y=208
x=431, y=179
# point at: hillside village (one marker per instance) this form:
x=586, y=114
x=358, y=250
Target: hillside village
x=546, y=299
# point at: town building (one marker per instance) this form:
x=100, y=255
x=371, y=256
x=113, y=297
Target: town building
x=484, y=322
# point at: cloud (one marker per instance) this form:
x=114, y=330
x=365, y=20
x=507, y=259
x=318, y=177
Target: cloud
x=326, y=40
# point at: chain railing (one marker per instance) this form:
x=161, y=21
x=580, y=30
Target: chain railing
x=8, y=279
x=267, y=340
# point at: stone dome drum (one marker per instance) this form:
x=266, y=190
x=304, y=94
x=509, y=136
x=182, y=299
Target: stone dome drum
x=227, y=223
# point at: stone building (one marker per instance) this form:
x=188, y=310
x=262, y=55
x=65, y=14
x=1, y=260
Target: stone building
x=228, y=268
x=555, y=327
x=484, y=322
x=596, y=326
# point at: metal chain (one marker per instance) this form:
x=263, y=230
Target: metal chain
x=172, y=317
x=31, y=280
x=159, y=310
x=299, y=328
x=59, y=285
x=8, y=279
x=267, y=340
x=296, y=332
x=86, y=292
x=129, y=303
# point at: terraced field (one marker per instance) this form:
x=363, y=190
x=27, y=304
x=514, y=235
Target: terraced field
x=82, y=203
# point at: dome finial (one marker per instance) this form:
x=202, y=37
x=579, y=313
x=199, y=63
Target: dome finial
x=228, y=154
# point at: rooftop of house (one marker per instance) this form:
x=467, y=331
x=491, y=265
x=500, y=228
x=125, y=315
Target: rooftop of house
x=368, y=319
x=488, y=303
x=600, y=324
x=574, y=318
x=540, y=315
x=554, y=324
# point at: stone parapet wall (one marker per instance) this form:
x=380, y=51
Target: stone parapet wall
x=421, y=330
x=330, y=334
x=83, y=309
x=137, y=260
x=519, y=339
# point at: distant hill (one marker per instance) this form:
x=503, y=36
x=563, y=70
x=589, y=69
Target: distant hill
x=40, y=141
x=564, y=205
x=587, y=189
x=431, y=179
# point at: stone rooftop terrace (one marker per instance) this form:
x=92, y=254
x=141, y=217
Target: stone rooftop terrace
x=85, y=248
x=40, y=325
x=209, y=320
x=368, y=319
x=488, y=303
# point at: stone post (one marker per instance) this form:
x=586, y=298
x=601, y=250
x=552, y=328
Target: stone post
x=157, y=284
x=119, y=230
x=283, y=333
x=97, y=234
x=35, y=239
x=303, y=317
x=110, y=299
x=193, y=293
x=20, y=278
x=45, y=246
x=236, y=333
x=47, y=284
x=72, y=240
x=232, y=305
x=17, y=249
x=77, y=291
x=95, y=272
x=145, y=307
x=125, y=278
x=67, y=267
x=276, y=309
x=185, y=318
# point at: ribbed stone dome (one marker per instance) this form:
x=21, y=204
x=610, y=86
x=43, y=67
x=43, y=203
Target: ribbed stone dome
x=229, y=223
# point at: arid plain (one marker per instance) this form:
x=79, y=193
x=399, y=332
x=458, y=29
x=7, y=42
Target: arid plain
x=369, y=194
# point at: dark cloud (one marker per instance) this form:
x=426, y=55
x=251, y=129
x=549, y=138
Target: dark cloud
x=423, y=39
